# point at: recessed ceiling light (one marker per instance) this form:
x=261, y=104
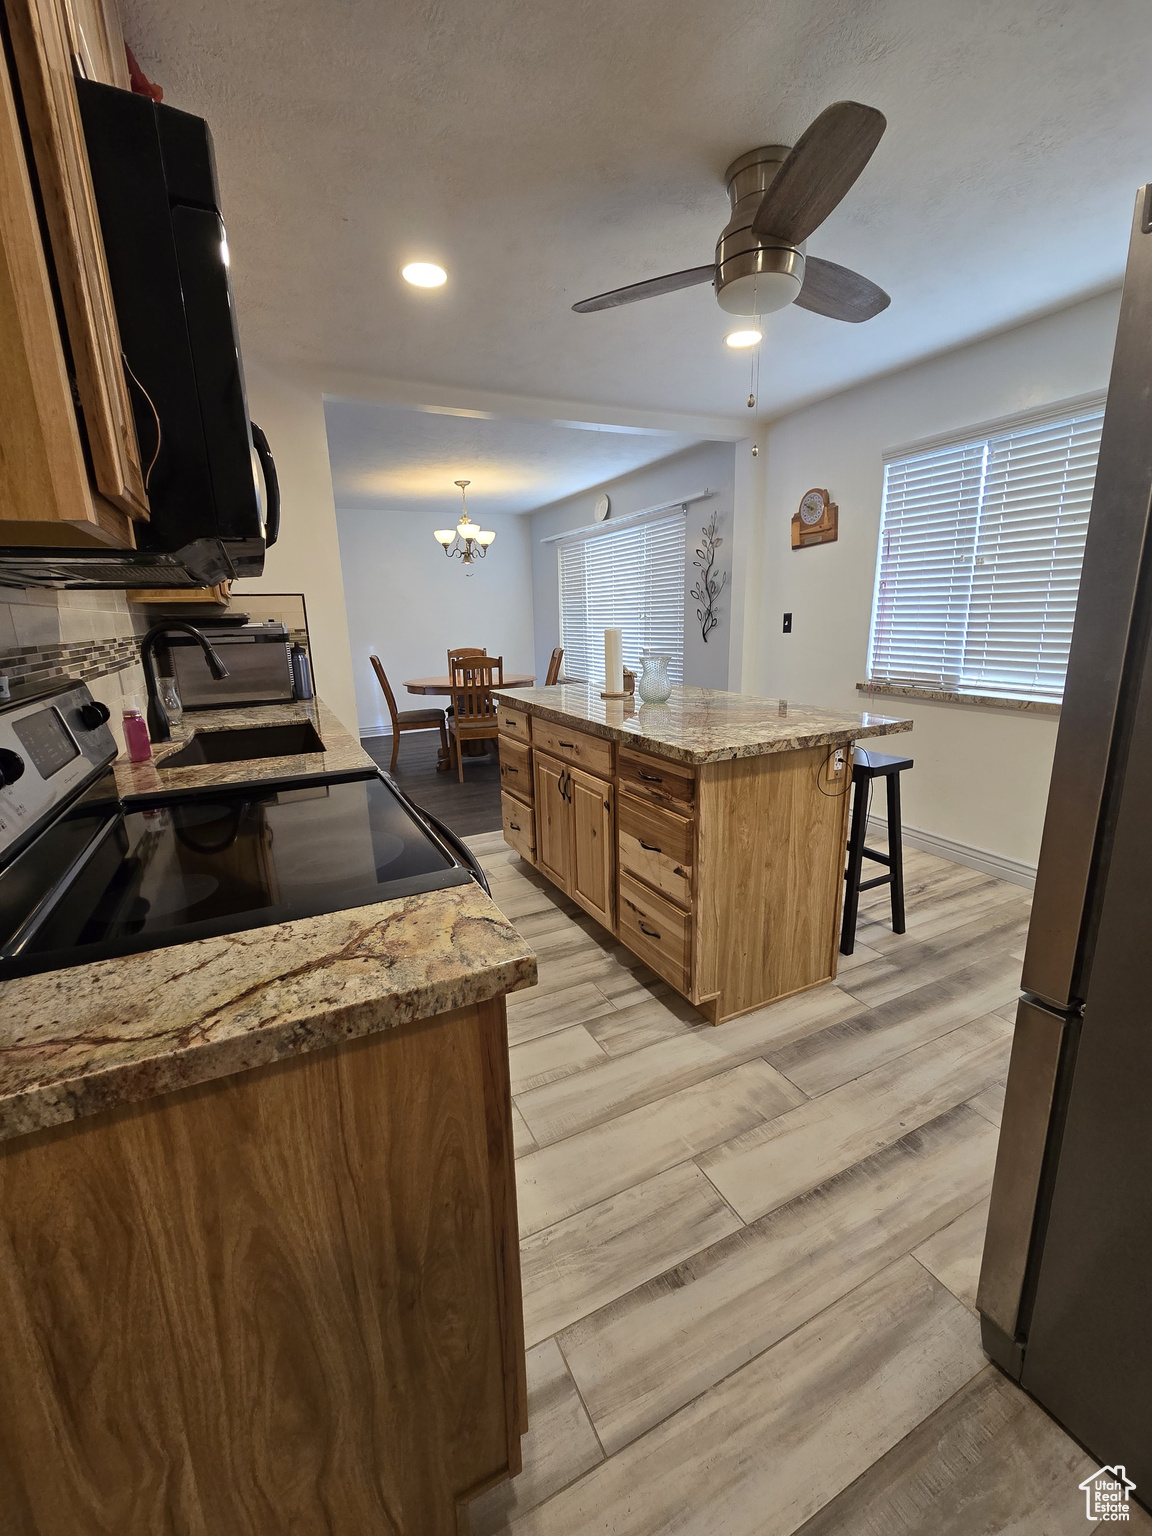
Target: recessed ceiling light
x=747, y=338
x=424, y=274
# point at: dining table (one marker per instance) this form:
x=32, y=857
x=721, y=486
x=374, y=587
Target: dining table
x=443, y=685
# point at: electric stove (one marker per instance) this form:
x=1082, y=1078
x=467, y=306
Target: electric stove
x=86, y=874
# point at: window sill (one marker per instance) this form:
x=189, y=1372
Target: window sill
x=942, y=696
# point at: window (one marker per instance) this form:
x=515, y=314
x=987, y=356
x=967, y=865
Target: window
x=631, y=576
x=981, y=544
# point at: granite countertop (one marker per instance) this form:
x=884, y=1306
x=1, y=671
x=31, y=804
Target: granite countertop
x=77, y=1041
x=87, y=1038
x=701, y=725
x=341, y=750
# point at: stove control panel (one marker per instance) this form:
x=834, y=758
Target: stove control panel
x=51, y=748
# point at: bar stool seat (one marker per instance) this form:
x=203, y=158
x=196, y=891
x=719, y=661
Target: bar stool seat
x=866, y=767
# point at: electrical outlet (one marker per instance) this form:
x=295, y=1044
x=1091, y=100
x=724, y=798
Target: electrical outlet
x=838, y=760
x=787, y=623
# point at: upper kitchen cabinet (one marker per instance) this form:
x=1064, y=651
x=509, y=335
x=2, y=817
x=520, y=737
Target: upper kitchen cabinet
x=45, y=494
x=51, y=40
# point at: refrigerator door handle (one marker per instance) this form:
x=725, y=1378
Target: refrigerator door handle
x=1033, y=1072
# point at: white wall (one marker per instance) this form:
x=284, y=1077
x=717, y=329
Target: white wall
x=981, y=775
x=306, y=558
x=407, y=603
x=707, y=467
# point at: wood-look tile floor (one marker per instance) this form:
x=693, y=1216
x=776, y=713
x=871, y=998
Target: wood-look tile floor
x=750, y=1252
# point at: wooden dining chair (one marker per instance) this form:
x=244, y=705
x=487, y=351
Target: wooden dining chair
x=474, y=710
x=407, y=719
x=554, y=667
x=460, y=652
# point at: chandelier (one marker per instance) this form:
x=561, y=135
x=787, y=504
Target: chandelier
x=466, y=541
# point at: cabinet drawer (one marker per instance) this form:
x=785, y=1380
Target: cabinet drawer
x=519, y=826
x=656, y=931
x=515, y=768
x=514, y=723
x=658, y=846
x=590, y=752
x=657, y=779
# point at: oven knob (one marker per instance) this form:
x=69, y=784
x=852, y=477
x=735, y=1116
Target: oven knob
x=11, y=766
x=93, y=715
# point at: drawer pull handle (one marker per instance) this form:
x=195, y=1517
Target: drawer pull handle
x=571, y=745
x=649, y=847
x=515, y=825
x=651, y=778
x=651, y=932
x=508, y=768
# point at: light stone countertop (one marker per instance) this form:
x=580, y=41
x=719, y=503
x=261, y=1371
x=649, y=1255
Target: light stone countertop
x=701, y=725
x=77, y=1041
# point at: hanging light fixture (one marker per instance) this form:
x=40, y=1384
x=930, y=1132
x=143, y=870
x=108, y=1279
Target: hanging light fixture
x=466, y=541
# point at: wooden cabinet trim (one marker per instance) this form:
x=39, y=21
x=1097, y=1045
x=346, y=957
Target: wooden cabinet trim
x=519, y=821
x=591, y=805
x=592, y=753
x=43, y=475
x=553, y=839
x=657, y=779
x=656, y=930
x=44, y=67
x=299, y=1284
x=515, y=767
x=514, y=722
x=657, y=846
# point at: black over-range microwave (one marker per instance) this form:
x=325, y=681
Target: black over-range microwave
x=211, y=482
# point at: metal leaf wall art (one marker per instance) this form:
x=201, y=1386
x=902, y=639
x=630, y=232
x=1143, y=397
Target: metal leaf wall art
x=708, y=586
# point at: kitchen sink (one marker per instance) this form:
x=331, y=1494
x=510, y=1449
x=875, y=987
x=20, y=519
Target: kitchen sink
x=239, y=744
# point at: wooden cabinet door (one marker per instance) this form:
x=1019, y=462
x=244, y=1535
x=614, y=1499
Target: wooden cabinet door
x=43, y=476
x=43, y=48
x=553, y=820
x=592, y=805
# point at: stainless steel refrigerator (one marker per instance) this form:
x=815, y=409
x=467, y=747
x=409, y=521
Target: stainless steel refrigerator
x=1066, y=1284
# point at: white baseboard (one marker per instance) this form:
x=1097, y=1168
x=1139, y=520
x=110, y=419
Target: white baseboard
x=961, y=853
x=379, y=730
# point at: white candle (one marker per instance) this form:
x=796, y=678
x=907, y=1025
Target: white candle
x=613, y=661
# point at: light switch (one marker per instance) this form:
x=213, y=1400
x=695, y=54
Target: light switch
x=787, y=623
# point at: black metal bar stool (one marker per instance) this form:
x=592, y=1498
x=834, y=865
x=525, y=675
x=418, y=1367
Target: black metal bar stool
x=866, y=767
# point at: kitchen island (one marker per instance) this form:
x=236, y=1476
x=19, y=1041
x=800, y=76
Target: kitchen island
x=258, y=1241
x=707, y=832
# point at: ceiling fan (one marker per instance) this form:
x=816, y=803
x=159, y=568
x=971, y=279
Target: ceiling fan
x=779, y=197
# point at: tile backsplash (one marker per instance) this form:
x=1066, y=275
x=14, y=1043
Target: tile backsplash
x=47, y=635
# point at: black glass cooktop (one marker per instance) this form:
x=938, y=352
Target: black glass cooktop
x=110, y=879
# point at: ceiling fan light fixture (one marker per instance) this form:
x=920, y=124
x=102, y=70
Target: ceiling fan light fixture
x=424, y=274
x=760, y=293
x=745, y=338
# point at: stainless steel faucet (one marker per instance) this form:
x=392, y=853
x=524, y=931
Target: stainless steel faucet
x=159, y=725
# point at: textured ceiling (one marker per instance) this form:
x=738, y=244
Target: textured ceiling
x=546, y=151
x=389, y=458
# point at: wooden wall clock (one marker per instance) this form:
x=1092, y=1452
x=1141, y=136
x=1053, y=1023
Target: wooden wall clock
x=817, y=521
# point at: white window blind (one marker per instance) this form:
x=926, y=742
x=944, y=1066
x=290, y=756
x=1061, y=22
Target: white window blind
x=981, y=545
x=633, y=577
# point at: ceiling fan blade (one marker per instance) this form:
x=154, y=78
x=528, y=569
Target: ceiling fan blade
x=839, y=293
x=819, y=170
x=646, y=290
